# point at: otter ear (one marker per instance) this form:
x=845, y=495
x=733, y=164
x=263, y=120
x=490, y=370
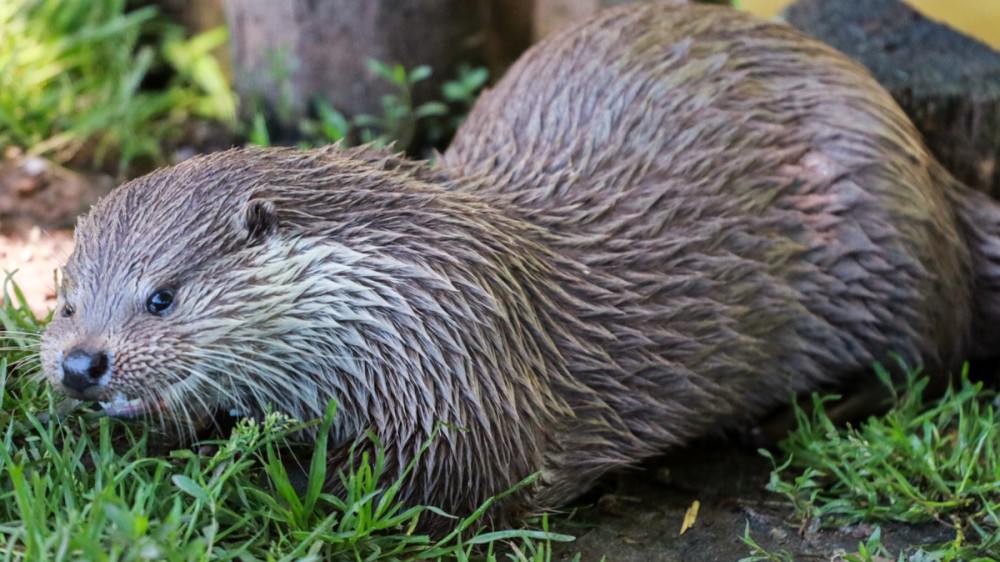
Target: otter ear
x=261, y=220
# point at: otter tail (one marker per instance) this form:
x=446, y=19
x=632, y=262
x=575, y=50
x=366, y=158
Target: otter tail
x=978, y=216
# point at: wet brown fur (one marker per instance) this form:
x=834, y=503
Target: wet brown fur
x=660, y=223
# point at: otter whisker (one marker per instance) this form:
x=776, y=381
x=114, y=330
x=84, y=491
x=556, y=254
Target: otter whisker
x=193, y=373
x=32, y=348
x=26, y=365
x=15, y=334
x=181, y=415
x=264, y=363
x=236, y=389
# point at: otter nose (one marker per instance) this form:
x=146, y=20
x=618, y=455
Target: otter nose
x=82, y=369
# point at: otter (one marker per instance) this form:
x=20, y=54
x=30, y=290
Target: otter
x=660, y=223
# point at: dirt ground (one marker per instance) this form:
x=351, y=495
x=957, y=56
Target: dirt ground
x=34, y=256
x=39, y=203
x=641, y=519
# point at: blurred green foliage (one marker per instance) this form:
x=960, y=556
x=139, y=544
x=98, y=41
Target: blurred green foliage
x=71, y=81
x=399, y=123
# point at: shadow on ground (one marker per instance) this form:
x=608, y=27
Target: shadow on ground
x=638, y=516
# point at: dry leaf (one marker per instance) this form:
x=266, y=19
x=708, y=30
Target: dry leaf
x=690, y=516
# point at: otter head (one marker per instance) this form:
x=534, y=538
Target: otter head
x=151, y=284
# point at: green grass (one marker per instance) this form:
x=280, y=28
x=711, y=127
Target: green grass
x=71, y=76
x=921, y=462
x=92, y=488
x=869, y=550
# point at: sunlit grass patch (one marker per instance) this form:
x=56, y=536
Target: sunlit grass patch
x=921, y=462
x=71, y=77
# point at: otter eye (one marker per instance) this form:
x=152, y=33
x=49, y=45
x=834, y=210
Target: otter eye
x=68, y=310
x=160, y=301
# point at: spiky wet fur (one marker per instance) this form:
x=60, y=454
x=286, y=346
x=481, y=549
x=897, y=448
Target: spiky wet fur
x=660, y=223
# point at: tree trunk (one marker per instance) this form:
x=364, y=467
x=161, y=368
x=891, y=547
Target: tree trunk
x=948, y=83
x=286, y=52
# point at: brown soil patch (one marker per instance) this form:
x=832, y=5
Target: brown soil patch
x=33, y=257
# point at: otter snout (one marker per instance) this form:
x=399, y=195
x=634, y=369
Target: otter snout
x=83, y=369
